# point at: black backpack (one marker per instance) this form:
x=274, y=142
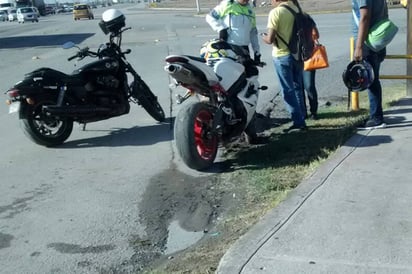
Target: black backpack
x=301, y=43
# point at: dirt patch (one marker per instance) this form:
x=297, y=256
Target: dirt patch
x=210, y=205
x=194, y=204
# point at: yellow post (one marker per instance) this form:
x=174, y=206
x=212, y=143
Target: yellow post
x=354, y=94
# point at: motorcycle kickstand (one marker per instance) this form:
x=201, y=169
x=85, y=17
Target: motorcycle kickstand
x=83, y=126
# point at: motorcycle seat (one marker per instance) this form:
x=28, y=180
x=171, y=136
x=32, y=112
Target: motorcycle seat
x=199, y=59
x=53, y=77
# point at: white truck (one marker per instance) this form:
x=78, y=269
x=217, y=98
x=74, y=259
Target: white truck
x=39, y=4
x=6, y=4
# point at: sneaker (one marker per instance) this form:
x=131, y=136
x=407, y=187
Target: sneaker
x=314, y=116
x=373, y=123
x=294, y=128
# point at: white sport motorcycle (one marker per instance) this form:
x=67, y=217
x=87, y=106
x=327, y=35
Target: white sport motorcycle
x=226, y=82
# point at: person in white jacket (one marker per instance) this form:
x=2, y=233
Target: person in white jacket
x=235, y=21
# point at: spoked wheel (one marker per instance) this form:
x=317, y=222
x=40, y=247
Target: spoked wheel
x=145, y=97
x=44, y=129
x=196, y=144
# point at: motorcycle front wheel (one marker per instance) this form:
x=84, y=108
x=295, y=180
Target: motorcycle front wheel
x=145, y=97
x=196, y=143
x=43, y=129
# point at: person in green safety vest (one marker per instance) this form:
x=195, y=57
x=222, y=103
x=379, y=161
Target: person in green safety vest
x=235, y=21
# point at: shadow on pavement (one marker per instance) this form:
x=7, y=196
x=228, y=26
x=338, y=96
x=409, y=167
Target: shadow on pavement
x=134, y=136
x=42, y=40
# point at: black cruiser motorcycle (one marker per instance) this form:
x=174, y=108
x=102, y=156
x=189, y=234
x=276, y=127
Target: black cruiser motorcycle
x=49, y=101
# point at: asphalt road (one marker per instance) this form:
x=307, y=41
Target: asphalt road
x=92, y=205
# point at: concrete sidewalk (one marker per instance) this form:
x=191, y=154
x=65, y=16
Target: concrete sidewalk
x=353, y=215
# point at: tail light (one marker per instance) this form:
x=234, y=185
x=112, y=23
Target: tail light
x=12, y=93
x=219, y=89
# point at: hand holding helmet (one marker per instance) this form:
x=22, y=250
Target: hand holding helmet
x=358, y=75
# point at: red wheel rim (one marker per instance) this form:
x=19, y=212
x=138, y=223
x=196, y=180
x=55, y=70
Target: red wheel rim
x=205, y=142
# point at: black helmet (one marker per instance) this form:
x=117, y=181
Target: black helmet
x=358, y=75
x=112, y=21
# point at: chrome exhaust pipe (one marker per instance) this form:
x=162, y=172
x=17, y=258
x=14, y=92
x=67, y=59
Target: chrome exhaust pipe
x=181, y=74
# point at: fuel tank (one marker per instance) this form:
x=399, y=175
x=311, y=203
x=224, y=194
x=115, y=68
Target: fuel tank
x=106, y=65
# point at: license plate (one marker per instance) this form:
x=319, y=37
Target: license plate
x=14, y=107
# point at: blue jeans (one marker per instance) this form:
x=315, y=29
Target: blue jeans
x=289, y=72
x=310, y=88
x=375, y=89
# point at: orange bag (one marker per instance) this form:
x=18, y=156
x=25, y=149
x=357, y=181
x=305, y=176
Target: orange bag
x=319, y=59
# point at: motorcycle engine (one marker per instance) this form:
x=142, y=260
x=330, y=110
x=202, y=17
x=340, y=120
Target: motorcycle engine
x=108, y=81
x=106, y=91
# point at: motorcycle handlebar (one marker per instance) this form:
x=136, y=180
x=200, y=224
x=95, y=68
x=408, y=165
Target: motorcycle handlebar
x=72, y=57
x=83, y=53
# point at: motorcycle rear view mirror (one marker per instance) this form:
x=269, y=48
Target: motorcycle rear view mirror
x=69, y=45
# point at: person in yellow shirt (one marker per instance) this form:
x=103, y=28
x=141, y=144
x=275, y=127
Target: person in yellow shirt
x=288, y=69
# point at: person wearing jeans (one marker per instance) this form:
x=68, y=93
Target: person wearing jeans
x=289, y=71
x=365, y=13
x=309, y=82
x=375, y=90
x=312, y=93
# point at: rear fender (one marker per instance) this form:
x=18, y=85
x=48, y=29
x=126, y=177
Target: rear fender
x=32, y=86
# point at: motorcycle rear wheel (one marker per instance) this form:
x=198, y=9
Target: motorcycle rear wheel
x=145, y=97
x=196, y=144
x=43, y=129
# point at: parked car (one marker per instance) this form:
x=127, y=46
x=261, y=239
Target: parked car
x=12, y=15
x=82, y=11
x=60, y=10
x=27, y=14
x=3, y=15
x=67, y=8
x=50, y=10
